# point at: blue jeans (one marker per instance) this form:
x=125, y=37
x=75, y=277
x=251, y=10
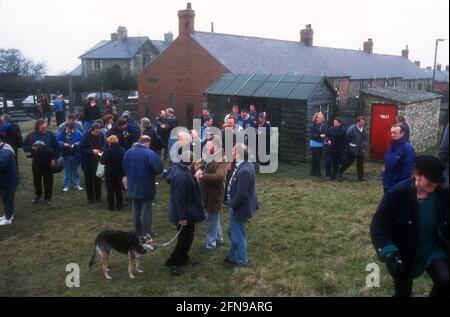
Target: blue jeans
x=142, y=215
x=71, y=164
x=87, y=126
x=213, y=229
x=238, y=239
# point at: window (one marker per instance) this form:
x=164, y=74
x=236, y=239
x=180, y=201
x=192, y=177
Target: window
x=325, y=110
x=420, y=86
x=361, y=85
x=97, y=64
x=145, y=60
x=337, y=82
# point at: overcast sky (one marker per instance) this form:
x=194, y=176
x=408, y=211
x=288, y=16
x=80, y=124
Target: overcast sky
x=58, y=31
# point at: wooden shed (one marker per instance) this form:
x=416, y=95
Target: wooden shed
x=420, y=108
x=290, y=102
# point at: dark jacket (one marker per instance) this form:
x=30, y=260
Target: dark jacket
x=399, y=162
x=9, y=176
x=45, y=154
x=184, y=193
x=395, y=222
x=316, y=130
x=89, y=161
x=243, y=191
x=156, y=144
x=213, y=185
x=10, y=133
x=337, y=138
x=141, y=165
x=126, y=136
x=112, y=159
x=170, y=124
x=357, y=141
x=91, y=113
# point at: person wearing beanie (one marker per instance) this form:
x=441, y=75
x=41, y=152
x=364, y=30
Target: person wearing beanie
x=410, y=228
x=112, y=159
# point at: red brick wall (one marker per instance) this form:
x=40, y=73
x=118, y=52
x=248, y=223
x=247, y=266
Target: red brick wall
x=440, y=87
x=184, y=69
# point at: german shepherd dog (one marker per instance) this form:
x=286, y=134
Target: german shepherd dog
x=124, y=242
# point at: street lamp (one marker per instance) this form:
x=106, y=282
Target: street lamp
x=435, y=55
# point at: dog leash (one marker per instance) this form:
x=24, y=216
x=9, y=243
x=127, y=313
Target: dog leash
x=169, y=242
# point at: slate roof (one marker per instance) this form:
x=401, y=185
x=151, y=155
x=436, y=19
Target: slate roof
x=120, y=49
x=243, y=54
x=402, y=95
x=298, y=87
x=77, y=71
x=440, y=76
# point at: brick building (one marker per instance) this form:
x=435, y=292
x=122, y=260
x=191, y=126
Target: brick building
x=181, y=74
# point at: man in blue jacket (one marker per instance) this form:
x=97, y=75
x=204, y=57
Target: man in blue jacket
x=399, y=159
x=140, y=166
x=241, y=197
x=410, y=229
x=69, y=140
x=9, y=179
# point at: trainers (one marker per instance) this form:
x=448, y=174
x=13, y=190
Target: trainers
x=78, y=187
x=4, y=217
x=5, y=222
x=65, y=189
x=35, y=199
x=48, y=202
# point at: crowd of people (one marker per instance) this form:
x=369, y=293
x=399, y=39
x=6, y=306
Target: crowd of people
x=127, y=156
x=409, y=229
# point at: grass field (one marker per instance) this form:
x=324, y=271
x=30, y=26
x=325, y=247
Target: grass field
x=310, y=237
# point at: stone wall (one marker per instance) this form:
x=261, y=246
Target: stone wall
x=422, y=117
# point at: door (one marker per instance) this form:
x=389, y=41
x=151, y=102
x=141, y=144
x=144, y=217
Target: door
x=383, y=117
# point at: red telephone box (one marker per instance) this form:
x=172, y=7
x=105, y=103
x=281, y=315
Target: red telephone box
x=383, y=117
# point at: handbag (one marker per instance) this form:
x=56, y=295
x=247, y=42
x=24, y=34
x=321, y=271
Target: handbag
x=58, y=168
x=100, y=170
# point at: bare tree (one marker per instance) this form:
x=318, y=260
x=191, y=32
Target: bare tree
x=13, y=61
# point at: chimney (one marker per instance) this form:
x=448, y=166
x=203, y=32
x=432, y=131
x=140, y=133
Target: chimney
x=212, y=27
x=417, y=63
x=429, y=67
x=113, y=36
x=368, y=46
x=405, y=52
x=186, y=21
x=438, y=67
x=306, y=35
x=168, y=38
x=446, y=68
x=122, y=33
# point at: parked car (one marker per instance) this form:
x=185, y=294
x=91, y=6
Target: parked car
x=103, y=96
x=30, y=101
x=133, y=96
x=9, y=103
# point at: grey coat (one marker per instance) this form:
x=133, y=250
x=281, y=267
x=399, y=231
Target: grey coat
x=357, y=141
